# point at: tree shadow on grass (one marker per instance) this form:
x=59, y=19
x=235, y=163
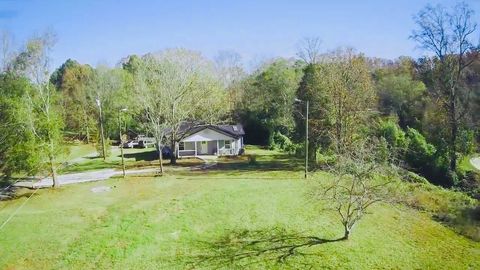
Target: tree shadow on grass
x=12, y=195
x=242, y=248
x=264, y=163
x=142, y=156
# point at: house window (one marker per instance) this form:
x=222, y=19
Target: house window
x=228, y=144
x=181, y=146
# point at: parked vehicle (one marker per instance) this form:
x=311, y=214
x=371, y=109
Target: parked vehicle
x=146, y=142
x=130, y=144
x=166, y=151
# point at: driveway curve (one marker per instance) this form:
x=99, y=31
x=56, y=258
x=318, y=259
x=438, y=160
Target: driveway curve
x=475, y=162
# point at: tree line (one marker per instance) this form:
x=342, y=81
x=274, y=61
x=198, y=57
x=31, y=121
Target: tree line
x=153, y=94
x=425, y=110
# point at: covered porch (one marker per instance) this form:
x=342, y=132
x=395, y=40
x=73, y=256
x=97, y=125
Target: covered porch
x=207, y=147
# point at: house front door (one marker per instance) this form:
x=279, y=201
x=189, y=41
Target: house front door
x=203, y=148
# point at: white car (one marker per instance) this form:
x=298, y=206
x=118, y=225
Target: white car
x=130, y=144
x=145, y=143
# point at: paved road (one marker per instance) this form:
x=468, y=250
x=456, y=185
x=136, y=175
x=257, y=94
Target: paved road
x=73, y=178
x=475, y=162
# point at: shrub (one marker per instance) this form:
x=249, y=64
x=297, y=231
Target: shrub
x=414, y=178
x=466, y=142
x=424, y=158
x=393, y=134
x=282, y=142
x=325, y=159
x=470, y=184
x=420, y=154
x=252, y=160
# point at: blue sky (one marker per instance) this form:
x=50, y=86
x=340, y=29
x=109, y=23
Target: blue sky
x=104, y=31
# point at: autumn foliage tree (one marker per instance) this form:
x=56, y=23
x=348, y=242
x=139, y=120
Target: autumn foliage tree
x=341, y=96
x=449, y=35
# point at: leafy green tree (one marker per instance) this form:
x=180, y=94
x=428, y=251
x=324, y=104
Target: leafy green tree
x=394, y=135
x=269, y=97
x=71, y=80
x=16, y=141
x=108, y=91
x=341, y=97
x=312, y=89
x=44, y=119
x=420, y=153
x=399, y=93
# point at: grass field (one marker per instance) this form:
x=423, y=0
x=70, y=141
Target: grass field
x=238, y=216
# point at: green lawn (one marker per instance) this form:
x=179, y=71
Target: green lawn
x=75, y=151
x=465, y=164
x=239, y=216
x=134, y=158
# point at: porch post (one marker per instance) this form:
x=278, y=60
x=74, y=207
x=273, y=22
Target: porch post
x=177, y=149
x=218, y=149
x=195, y=148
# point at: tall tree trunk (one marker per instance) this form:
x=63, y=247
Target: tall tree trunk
x=312, y=151
x=87, y=131
x=173, y=156
x=104, y=151
x=53, y=171
x=346, y=232
x=453, y=131
x=88, y=135
x=160, y=157
x=453, y=147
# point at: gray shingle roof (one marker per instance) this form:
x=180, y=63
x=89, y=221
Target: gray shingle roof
x=235, y=131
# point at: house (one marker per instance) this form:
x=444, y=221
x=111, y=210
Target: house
x=219, y=140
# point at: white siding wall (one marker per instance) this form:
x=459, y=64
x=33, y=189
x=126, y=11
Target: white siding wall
x=238, y=145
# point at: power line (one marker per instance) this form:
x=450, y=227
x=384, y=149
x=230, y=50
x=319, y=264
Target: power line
x=18, y=209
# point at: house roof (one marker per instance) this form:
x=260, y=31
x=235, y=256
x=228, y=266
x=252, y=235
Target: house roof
x=235, y=131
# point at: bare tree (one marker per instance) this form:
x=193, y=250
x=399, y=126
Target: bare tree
x=6, y=43
x=309, y=49
x=178, y=86
x=148, y=84
x=448, y=35
x=361, y=177
x=229, y=67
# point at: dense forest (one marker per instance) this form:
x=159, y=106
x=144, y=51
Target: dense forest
x=425, y=112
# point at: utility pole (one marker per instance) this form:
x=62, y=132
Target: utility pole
x=306, y=134
x=306, y=142
x=121, y=138
x=104, y=152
